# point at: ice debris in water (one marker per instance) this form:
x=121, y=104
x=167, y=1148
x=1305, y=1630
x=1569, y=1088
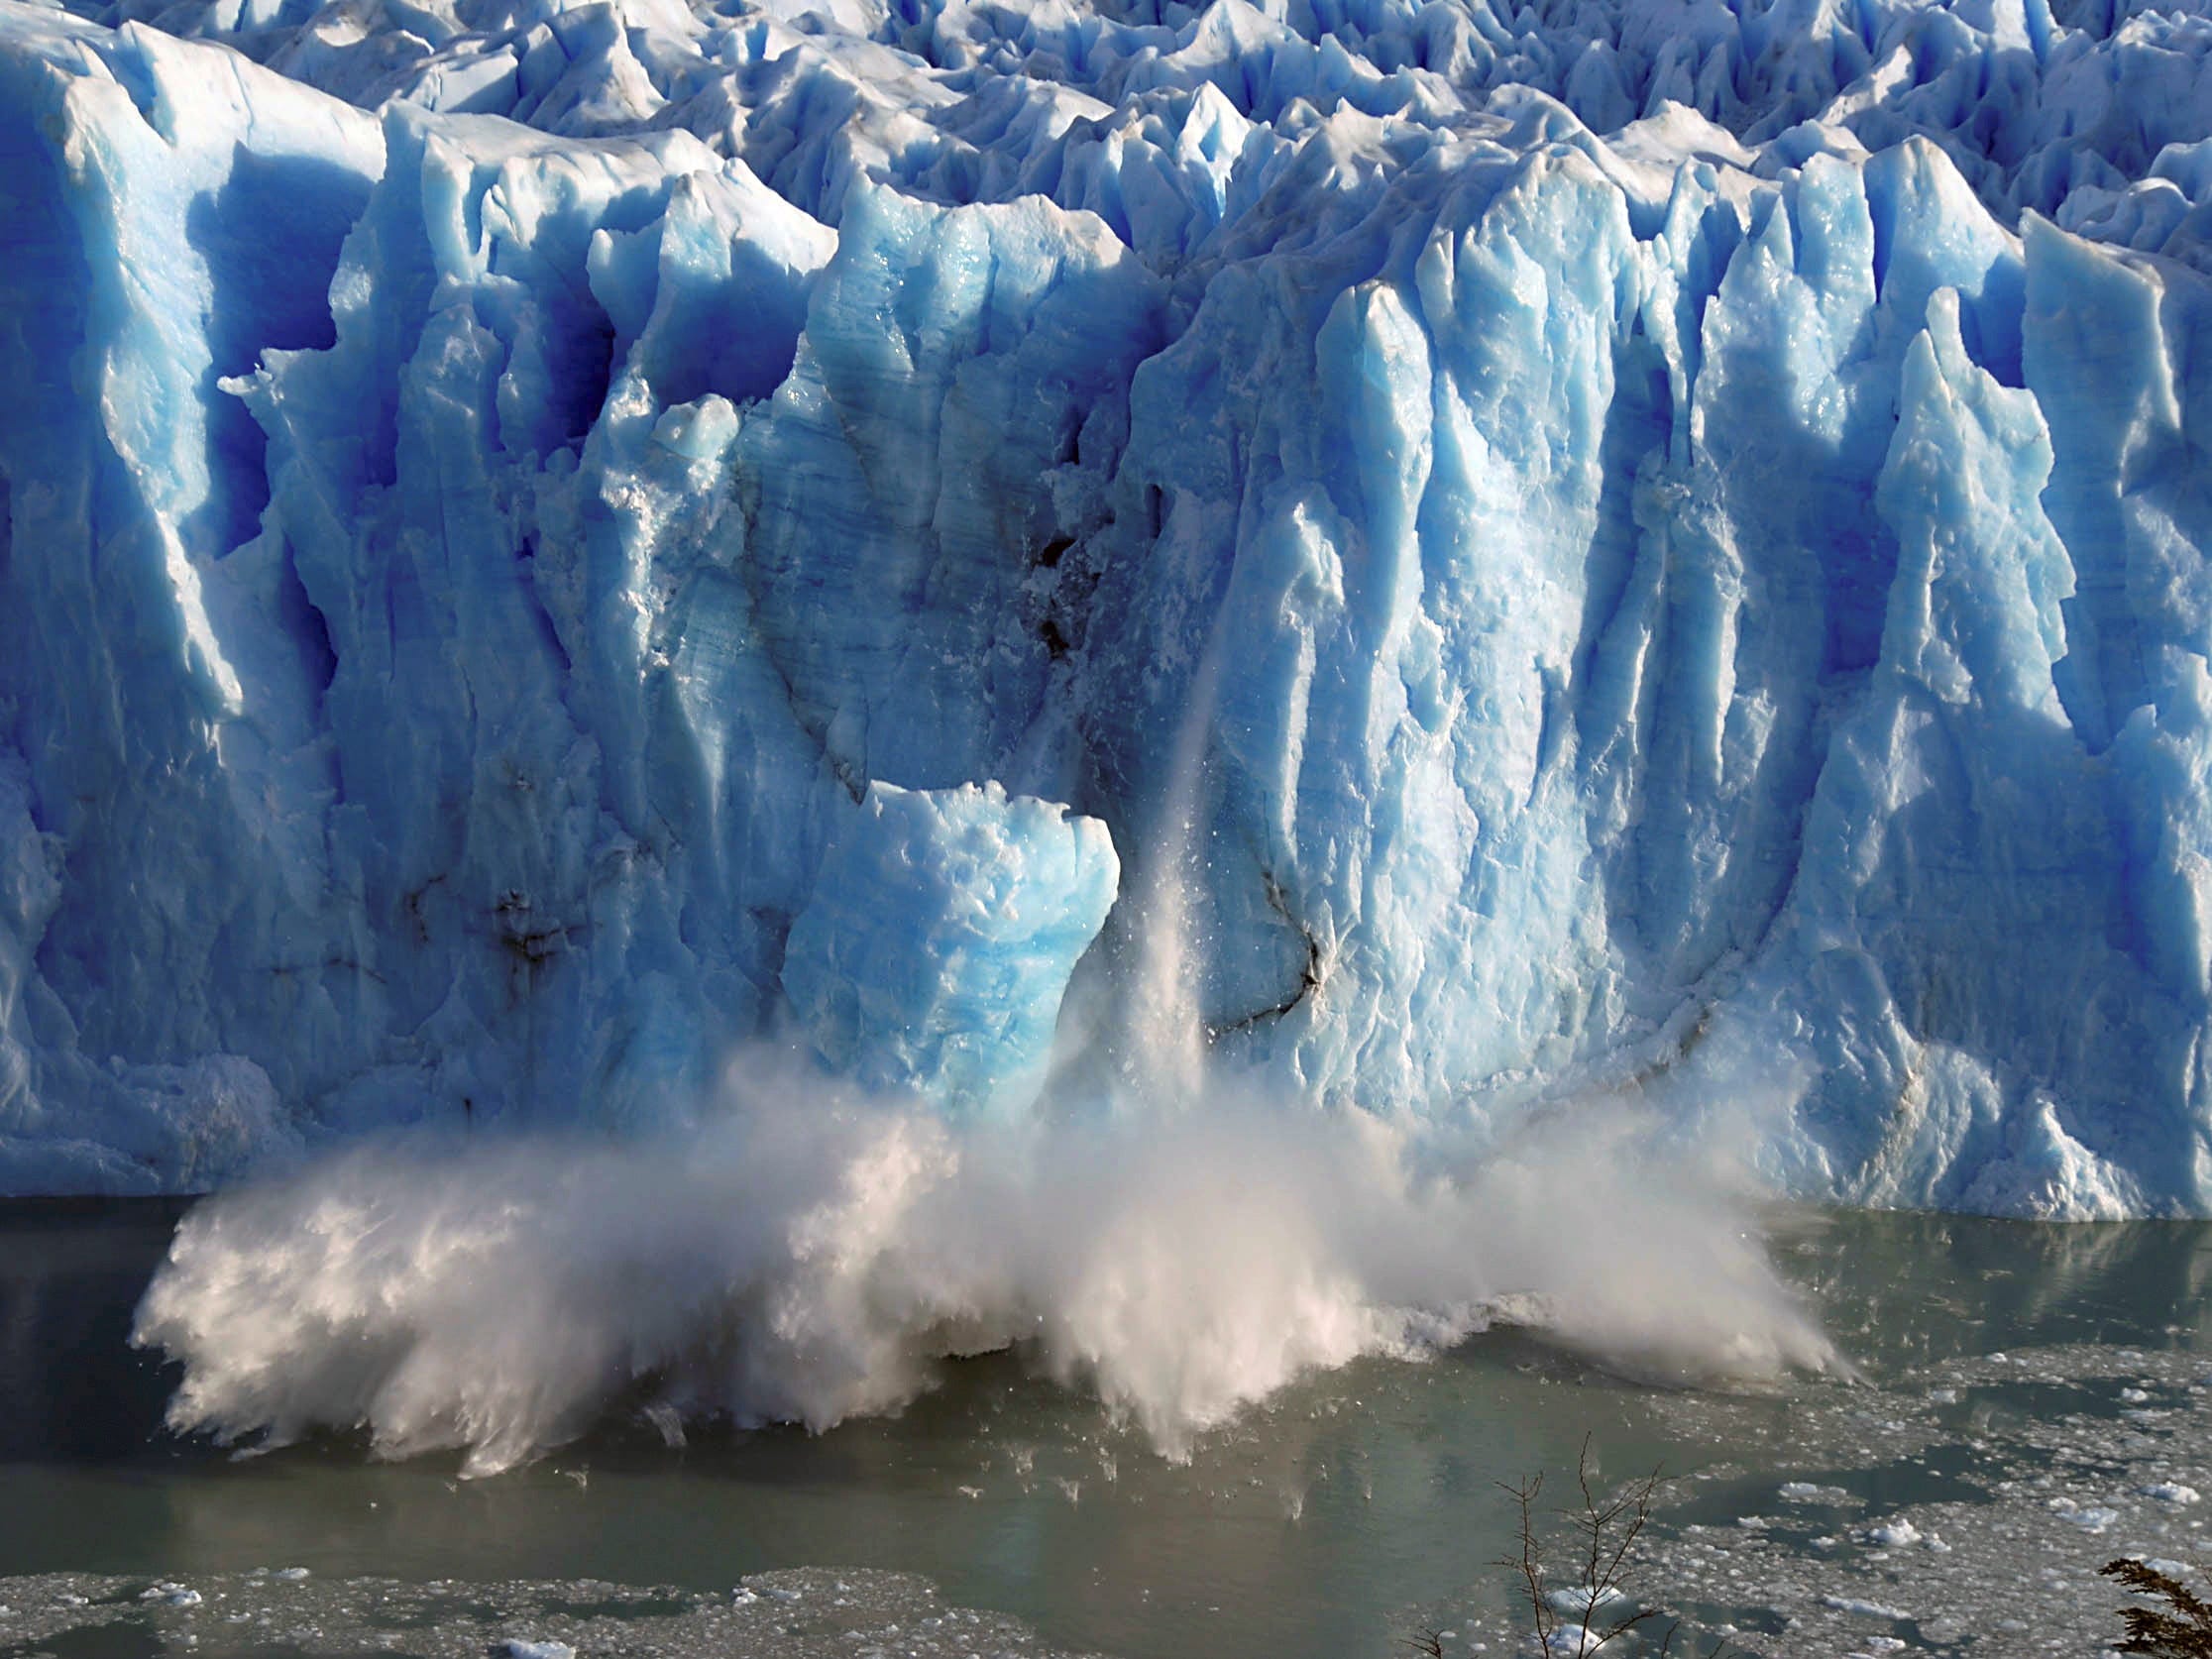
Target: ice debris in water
x=1583, y=1600
x=541, y=539
x=1810, y=1491
x=2001, y=1548
x=873, y=1613
x=2091, y=1518
x=1864, y=1609
x=2172, y=1569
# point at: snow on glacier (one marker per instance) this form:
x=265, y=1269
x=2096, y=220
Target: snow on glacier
x=544, y=542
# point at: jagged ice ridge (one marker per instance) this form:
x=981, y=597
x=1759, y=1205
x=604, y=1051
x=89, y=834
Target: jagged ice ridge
x=541, y=541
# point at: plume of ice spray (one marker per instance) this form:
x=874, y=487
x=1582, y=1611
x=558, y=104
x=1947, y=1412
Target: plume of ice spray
x=810, y=1254
x=814, y=1255
x=1162, y=1040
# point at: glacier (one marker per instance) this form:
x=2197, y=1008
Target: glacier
x=1647, y=547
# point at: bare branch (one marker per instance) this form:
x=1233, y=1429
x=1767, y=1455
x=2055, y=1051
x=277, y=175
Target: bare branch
x=1527, y=1565
x=1606, y=1529
x=2184, y=1633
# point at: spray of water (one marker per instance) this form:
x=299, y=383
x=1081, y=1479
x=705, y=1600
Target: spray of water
x=1161, y=1038
x=809, y=1254
x=814, y=1255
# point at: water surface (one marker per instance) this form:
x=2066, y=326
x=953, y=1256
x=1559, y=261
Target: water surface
x=1354, y=1509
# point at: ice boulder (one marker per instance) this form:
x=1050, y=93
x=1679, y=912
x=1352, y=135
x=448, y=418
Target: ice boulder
x=939, y=938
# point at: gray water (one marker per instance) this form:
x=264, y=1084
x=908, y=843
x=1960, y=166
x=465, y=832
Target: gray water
x=2034, y=1403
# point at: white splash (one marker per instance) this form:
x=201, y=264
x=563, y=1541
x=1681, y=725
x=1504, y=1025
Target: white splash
x=809, y=1253
x=813, y=1254
x=1162, y=1037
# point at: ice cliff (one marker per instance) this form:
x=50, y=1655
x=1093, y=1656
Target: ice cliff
x=1648, y=545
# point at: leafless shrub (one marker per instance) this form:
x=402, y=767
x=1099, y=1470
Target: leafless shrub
x=2183, y=1632
x=1605, y=1529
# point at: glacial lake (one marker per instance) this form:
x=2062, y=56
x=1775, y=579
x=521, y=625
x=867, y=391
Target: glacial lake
x=2034, y=1402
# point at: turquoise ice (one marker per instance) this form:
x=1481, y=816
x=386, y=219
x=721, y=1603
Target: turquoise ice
x=543, y=543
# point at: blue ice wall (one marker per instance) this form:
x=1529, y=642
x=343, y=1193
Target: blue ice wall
x=1654, y=545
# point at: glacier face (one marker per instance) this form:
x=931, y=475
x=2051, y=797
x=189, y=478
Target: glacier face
x=1625, y=544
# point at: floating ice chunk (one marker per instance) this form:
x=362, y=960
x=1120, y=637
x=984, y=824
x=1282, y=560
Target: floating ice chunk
x=1568, y=1641
x=519, y=1647
x=1583, y=1601
x=1864, y=1609
x=2089, y=1517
